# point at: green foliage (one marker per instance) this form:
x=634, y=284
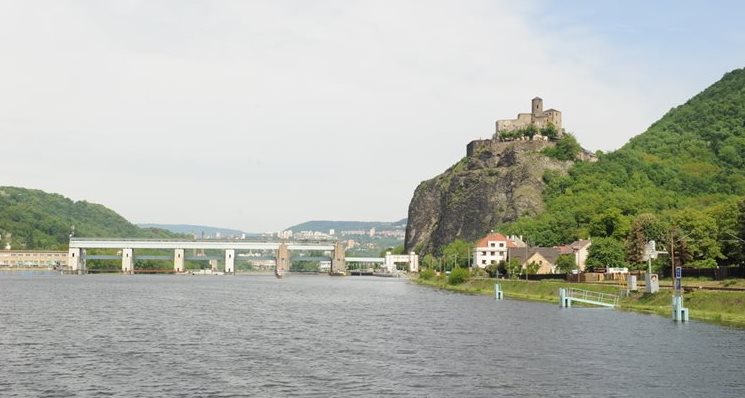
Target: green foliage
x=529, y=131
x=40, y=220
x=512, y=268
x=606, y=252
x=400, y=249
x=551, y=132
x=493, y=269
x=687, y=169
x=457, y=252
x=429, y=261
x=567, y=148
x=427, y=274
x=458, y=276
x=566, y=263
x=644, y=227
x=532, y=268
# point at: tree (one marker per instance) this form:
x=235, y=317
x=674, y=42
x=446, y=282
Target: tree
x=606, y=252
x=457, y=252
x=644, y=228
x=740, y=232
x=550, y=131
x=610, y=223
x=429, y=261
x=700, y=233
x=512, y=268
x=566, y=263
x=532, y=268
x=493, y=269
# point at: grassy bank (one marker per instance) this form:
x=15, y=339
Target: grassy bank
x=715, y=306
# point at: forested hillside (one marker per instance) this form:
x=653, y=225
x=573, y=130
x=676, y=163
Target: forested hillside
x=681, y=181
x=33, y=219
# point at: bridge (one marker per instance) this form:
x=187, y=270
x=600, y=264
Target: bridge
x=126, y=249
x=568, y=295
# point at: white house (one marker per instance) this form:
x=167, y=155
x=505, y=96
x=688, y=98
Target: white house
x=491, y=249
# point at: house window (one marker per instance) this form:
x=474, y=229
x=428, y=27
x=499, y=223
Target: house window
x=501, y=244
x=483, y=253
x=493, y=253
x=492, y=244
x=483, y=262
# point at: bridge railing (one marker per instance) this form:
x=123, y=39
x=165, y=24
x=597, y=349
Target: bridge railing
x=592, y=296
x=302, y=241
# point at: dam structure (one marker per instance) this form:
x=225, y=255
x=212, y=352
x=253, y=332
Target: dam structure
x=283, y=253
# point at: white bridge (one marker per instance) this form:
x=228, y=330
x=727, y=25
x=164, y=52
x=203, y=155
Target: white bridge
x=77, y=254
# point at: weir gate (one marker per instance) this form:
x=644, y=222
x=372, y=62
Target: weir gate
x=334, y=252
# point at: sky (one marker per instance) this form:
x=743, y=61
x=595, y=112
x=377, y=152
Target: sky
x=258, y=115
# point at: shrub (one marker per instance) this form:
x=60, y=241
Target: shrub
x=458, y=276
x=427, y=274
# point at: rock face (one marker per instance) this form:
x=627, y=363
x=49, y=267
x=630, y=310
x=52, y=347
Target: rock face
x=496, y=182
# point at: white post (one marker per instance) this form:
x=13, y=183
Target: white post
x=128, y=261
x=75, y=261
x=390, y=266
x=413, y=262
x=178, y=260
x=229, y=261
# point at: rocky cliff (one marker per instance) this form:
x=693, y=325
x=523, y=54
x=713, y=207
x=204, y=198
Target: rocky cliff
x=496, y=182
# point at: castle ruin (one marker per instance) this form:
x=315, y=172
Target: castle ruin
x=537, y=117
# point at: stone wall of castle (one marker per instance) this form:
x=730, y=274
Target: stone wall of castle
x=538, y=117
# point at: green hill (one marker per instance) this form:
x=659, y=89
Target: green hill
x=39, y=220
x=325, y=225
x=681, y=181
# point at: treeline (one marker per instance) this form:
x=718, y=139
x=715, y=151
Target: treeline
x=681, y=183
x=33, y=219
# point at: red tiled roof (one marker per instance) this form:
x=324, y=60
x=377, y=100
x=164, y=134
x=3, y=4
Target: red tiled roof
x=493, y=236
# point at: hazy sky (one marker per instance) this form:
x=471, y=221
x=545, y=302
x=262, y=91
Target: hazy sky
x=257, y=115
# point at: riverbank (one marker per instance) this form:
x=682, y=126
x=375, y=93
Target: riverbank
x=724, y=307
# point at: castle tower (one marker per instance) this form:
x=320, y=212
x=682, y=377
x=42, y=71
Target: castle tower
x=537, y=106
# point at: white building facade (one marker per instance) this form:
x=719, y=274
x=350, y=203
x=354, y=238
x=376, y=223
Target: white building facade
x=490, y=249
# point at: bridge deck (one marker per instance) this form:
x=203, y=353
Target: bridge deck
x=90, y=243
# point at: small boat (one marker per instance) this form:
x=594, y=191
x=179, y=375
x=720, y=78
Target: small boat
x=338, y=273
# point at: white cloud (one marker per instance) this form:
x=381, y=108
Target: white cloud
x=258, y=115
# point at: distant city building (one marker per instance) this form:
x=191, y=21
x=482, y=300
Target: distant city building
x=371, y=233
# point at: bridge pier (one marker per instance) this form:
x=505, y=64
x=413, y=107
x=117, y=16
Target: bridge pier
x=178, y=260
x=413, y=262
x=75, y=260
x=283, y=258
x=338, y=260
x=230, y=261
x=128, y=261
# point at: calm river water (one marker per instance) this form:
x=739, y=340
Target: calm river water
x=148, y=336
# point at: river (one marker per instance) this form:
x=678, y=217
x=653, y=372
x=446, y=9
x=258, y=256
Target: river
x=227, y=336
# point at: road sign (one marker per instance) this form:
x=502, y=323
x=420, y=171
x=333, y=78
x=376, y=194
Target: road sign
x=677, y=284
x=678, y=272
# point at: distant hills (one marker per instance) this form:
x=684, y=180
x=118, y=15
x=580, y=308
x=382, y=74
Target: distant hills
x=34, y=219
x=197, y=230
x=326, y=225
